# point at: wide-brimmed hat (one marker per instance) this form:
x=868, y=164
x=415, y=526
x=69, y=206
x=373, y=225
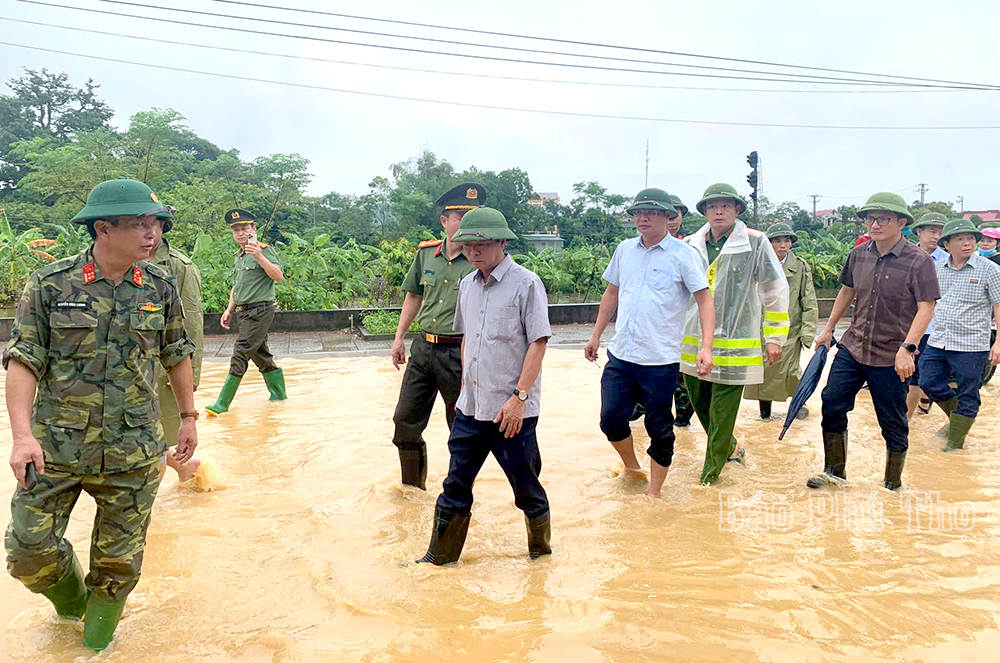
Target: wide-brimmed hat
x=781, y=230
x=721, y=191
x=889, y=202
x=678, y=205
x=931, y=219
x=656, y=200
x=483, y=223
x=958, y=227
x=121, y=197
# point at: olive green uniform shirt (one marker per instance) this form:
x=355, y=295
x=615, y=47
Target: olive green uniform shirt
x=435, y=278
x=188, y=278
x=94, y=348
x=715, y=248
x=251, y=284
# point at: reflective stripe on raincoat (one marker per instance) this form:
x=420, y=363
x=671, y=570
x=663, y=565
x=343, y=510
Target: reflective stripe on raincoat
x=746, y=278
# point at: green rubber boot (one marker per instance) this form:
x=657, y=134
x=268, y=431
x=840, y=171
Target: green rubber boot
x=947, y=407
x=229, y=388
x=275, y=381
x=101, y=621
x=959, y=426
x=69, y=595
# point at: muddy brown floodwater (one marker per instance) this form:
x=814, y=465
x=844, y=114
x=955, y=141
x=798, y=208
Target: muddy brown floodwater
x=307, y=555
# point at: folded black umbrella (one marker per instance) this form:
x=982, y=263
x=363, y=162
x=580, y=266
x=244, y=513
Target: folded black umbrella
x=807, y=385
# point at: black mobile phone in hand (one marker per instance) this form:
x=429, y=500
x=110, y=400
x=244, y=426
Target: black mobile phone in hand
x=30, y=476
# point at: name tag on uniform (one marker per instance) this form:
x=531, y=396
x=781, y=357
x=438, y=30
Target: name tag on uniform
x=72, y=305
x=973, y=281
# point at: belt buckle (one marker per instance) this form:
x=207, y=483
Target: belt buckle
x=240, y=308
x=432, y=338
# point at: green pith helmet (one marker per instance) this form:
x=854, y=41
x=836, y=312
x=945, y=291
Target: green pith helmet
x=957, y=227
x=890, y=202
x=483, y=224
x=781, y=230
x=122, y=197
x=931, y=219
x=678, y=205
x=653, y=199
x=721, y=191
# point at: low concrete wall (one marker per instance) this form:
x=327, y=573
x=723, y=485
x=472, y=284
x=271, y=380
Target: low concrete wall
x=308, y=321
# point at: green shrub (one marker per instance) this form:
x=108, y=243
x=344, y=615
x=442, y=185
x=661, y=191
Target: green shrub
x=385, y=322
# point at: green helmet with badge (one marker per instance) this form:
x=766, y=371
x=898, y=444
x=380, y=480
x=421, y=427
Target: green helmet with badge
x=958, y=227
x=123, y=197
x=483, y=224
x=721, y=191
x=655, y=200
x=678, y=205
x=889, y=202
x=781, y=230
x=931, y=219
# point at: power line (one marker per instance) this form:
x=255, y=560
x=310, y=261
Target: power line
x=472, y=75
x=463, y=104
x=820, y=80
x=585, y=43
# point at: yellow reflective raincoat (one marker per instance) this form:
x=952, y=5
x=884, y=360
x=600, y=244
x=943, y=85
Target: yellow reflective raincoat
x=745, y=279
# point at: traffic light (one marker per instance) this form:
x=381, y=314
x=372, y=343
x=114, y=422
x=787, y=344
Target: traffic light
x=752, y=160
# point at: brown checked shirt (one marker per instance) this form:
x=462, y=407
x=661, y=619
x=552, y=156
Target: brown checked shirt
x=886, y=291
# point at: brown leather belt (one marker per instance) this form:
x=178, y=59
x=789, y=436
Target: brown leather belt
x=443, y=340
x=247, y=307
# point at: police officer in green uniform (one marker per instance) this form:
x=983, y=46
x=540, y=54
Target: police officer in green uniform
x=251, y=300
x=435, y=365
x=82, y=365
x=188, y=278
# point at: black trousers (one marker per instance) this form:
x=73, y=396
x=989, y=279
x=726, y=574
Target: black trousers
x=847, y=376
x=433, y=368
x=251, y=340
x=471, y=442
x=623, y=384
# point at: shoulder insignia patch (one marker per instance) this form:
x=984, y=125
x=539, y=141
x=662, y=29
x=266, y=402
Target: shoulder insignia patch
x=89, y=273
x=137, y=276
x=429, y=243
x=262, y=245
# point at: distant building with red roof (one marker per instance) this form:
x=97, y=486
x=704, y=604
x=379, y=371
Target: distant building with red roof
x=985, y=215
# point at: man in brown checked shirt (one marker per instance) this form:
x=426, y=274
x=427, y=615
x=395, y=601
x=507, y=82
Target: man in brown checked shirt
x=893, y=285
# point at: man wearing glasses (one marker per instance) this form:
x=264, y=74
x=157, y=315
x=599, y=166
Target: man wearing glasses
x=893, y=285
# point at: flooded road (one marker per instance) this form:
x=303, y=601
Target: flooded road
x=307, y=555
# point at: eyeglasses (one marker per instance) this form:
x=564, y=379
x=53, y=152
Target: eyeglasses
x=880, y=220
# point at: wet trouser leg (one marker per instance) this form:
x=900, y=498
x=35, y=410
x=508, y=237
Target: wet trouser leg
x=717, y=406
x=448, y=371
x=654, y=383
x=38, y=554
x=251, y=341
x=682, y=403
x=842, y=386
x=938, y=369
x=847, y=375
x=170, y=414
x=416, y=397
x=471, y=441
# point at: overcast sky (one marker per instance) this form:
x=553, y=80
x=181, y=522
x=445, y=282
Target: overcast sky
x=350, y=138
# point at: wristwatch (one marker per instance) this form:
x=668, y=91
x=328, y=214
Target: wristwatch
x=190, y=414
x=909, y=347
x=521, y=395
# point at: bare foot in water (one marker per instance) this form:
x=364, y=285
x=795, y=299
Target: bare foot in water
x=632, y=476
x=185, y=471
x=655, y=495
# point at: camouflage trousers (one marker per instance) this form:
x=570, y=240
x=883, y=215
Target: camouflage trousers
x=38, y=553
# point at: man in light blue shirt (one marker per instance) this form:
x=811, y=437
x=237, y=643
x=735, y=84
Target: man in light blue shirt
x=651, y=279
x=928, y=230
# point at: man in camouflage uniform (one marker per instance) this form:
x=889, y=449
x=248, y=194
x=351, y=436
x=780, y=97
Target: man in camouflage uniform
x=188, y=278
x=435, y=365
x=81, y=395
x=251, y=300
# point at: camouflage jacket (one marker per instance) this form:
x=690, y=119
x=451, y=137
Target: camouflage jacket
x=94, y=346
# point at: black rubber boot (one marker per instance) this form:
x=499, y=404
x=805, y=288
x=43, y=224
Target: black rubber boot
x=413, y=466
x=765, y=409
x=894, y=469
x=539, y=533
x=447, y=538
x=835, y=463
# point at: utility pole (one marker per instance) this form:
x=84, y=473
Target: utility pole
x=815, y=197
x=647, y=165
x=922, y=188
x=961, y=203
